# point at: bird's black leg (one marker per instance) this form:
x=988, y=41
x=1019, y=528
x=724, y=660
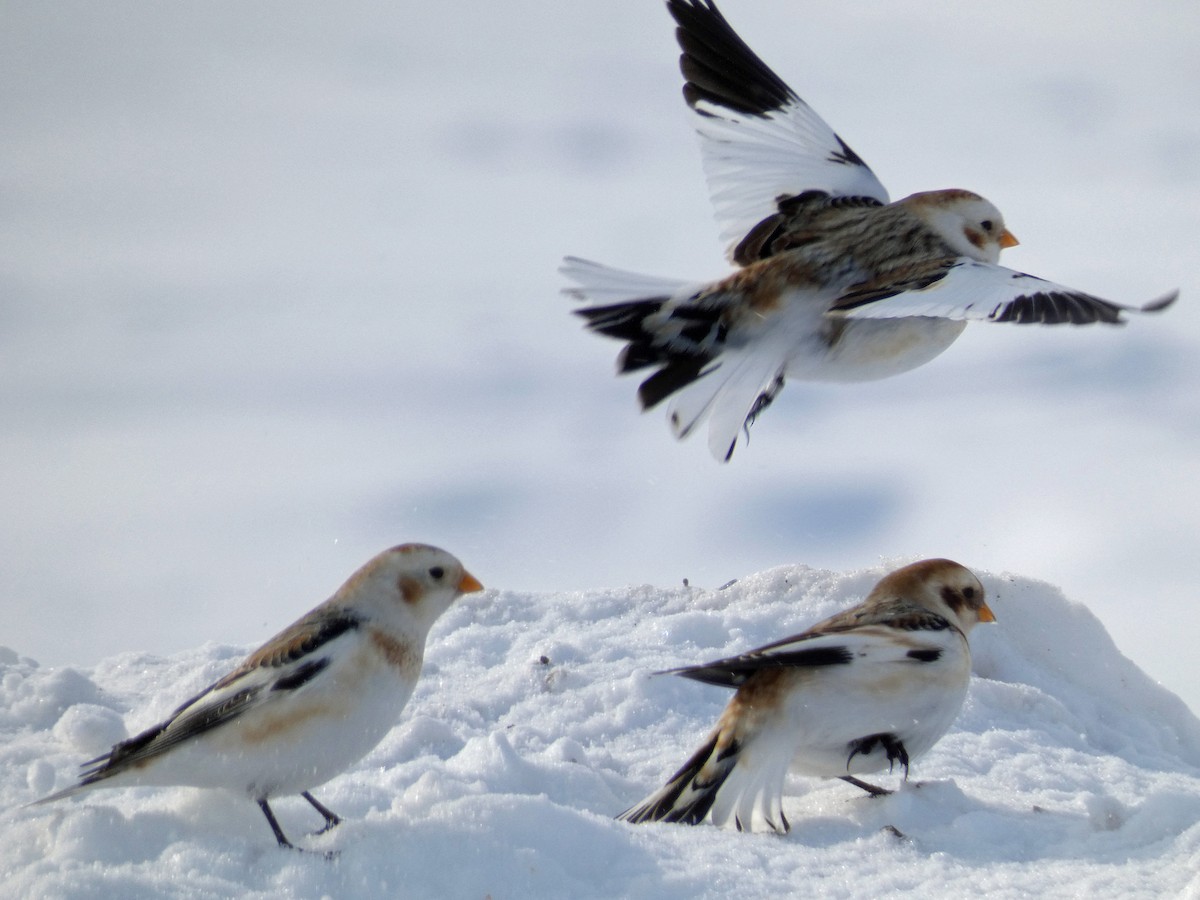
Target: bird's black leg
x=274, y=823
x=872, y=789
x=331, y=818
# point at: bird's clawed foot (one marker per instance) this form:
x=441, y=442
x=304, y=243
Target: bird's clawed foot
x=892, y=746
x=332, y=819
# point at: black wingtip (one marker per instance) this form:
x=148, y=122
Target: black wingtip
x=1161, y=303
x=719, y=67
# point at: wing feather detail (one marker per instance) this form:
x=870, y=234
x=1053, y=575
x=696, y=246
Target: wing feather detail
x=966, y=289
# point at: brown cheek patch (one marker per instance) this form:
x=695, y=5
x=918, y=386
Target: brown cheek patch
x=953, y=599
x=411, y=590
x=974, y=237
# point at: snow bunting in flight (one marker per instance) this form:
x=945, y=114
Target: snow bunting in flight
x=865, y=690
x=307, y=704
x=835, y=283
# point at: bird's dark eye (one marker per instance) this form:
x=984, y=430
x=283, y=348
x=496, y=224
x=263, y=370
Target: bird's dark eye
x=969, y=593
x=987, y=224
x=437, y=573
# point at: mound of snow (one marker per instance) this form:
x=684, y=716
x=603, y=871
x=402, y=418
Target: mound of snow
x=537, y=719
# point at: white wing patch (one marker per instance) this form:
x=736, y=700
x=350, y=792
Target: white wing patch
x=751, y=162
x=966, y=289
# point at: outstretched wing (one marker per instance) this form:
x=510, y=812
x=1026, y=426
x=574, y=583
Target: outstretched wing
x=761, y=144
x=968, y=289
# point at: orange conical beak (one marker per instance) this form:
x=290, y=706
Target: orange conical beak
x=469, y=584
x=985, y=611
x=1007, y=240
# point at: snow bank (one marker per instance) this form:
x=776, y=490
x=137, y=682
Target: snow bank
x=1069, y=772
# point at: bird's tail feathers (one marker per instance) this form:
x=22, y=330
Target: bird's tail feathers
x=690, y=793
x=92, y=771
x=598, y=283
x=722, y=783
x=731, y=395
x=752, y=797
x=681, y=331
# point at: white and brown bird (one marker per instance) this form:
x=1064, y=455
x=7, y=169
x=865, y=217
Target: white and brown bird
x=865, y=690
x=308, y=703
x=834, y=282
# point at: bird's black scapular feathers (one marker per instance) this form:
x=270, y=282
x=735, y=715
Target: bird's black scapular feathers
x=791, y=204
x=777, y=233
x=931, y=655
x=302, y=675
x=734, y=672
x=330, y=628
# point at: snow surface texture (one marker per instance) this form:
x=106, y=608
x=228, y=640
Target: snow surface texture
x=1068, y=773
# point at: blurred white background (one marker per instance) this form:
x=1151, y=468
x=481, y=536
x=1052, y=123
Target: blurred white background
x=278, y=290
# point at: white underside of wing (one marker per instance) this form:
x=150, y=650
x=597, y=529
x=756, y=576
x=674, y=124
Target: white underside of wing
x=751, y=161
x=975, y=291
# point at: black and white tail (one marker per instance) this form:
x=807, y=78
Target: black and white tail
x=682, y=329
x=720, y=782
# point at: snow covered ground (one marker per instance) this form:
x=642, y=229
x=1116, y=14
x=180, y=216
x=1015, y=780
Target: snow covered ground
x=279, y=290
x=1069, y=773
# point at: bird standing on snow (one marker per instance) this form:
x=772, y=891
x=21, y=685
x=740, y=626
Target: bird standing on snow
x=876, y=685
x=307, y=704
x=835, y=283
